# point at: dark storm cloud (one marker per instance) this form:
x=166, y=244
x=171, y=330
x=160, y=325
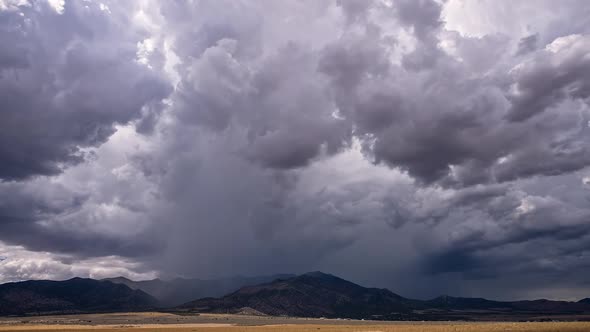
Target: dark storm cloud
x=65, y=81
x=36, y=237
x=496, y=238
x=67, y=77
x=24, y=203
x=363, y=137
x=355, y=10
x=527, y=44
x=426, y=123
x=279, y=99
x=42, y=216
x=559, y=72
x=422, y=15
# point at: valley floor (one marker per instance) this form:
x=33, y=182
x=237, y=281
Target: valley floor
x=162, y=322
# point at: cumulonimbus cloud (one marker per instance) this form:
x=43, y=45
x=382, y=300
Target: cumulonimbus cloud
x=219, y=137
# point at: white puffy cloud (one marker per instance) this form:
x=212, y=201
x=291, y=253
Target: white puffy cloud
x=20, y=264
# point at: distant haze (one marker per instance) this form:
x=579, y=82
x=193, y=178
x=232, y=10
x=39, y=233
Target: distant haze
x=427, y=146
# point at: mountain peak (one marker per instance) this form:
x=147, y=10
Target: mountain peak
x=319, y=274
x=76, y=278
x=312, y=294
x=119, y=279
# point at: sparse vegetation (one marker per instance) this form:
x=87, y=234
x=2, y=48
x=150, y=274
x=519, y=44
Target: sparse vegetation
x=162, y=322
x=415, y=327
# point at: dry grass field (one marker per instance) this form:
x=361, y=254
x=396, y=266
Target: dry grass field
x=153, y=322
x=417, y=327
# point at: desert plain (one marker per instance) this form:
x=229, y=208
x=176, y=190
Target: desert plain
x=165, y=322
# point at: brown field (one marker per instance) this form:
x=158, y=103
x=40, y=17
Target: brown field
x=152, y=322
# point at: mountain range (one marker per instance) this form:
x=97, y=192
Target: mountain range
x=71, y=296
x=178, y=291
x=313, y=294
x=318, y=294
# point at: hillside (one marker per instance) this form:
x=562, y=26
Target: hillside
x=317, y=294
x=464, y=303
x=71, y=296
x=312, y=294
x=178, y=291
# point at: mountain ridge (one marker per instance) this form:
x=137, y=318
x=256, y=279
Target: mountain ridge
x=312, y=294
x=181, y=290
x=76, y=295
x=318, y=294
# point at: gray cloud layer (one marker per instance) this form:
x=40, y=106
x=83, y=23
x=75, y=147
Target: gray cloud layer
x=389, y=142
x=65, y=80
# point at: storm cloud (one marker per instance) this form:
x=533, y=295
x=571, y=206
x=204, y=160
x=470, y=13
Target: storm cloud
x=426, y=146
x=67, y=76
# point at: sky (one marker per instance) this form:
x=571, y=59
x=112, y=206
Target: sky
x=429, y=147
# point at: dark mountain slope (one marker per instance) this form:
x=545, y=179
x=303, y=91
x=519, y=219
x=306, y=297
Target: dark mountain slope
x=464, y=303
x=548, y=306
x=177, y=291
x=534, y=306
x=318, y=294
x=69, y=296
x=312, y=294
